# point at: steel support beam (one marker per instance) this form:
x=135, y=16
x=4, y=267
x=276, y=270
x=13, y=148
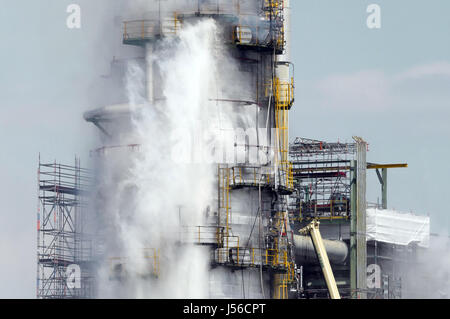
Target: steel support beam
x=380, y=166
x=361, y=247
x=382, y=177
x=384, y=188
x=353, y=263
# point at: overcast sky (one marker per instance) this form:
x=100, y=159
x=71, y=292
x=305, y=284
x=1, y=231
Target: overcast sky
x=389, y=85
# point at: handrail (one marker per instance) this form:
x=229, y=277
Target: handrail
x=155, y=257
x=146, y=29
x=259, y=36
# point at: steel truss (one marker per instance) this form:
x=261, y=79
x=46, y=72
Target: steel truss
x=321, y=178
x=64, y=252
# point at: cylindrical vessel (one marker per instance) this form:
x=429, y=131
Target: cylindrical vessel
x=305, y=253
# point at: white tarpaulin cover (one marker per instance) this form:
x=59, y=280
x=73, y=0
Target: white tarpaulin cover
x=398, y=228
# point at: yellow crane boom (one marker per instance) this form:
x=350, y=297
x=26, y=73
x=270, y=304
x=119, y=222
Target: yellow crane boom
x=313, y=230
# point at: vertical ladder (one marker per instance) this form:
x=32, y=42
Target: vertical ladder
x=283, y=97
x=224, y=202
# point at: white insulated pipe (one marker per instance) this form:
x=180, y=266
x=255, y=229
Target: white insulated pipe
x=287, y=30
x=337, y=250
x=283, y=67
x=283, y=70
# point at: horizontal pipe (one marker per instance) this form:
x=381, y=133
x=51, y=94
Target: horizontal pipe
x=304, y=250
x=345, y=168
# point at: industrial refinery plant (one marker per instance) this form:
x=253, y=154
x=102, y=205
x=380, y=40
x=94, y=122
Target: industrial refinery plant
x=198, y=191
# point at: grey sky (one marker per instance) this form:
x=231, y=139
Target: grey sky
x=48, y=75
x=390, y=86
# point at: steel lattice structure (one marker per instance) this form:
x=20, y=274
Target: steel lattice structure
x=322, y=179
x=64, y=251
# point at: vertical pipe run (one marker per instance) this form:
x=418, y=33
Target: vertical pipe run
x=38, y=223
x=282, y=69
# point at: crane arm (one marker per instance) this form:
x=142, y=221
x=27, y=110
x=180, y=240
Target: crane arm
x=313, y=231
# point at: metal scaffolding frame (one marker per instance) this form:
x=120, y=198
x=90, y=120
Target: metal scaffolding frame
x=327, y=188
x=321, y=172
x=64, y=252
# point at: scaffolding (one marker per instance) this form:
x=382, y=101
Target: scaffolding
x=321, y=171
x=64, y=251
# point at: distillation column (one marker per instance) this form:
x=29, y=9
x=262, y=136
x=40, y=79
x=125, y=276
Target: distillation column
x=251, y=245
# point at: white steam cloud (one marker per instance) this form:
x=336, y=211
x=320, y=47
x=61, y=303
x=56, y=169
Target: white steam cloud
x=148, y=199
